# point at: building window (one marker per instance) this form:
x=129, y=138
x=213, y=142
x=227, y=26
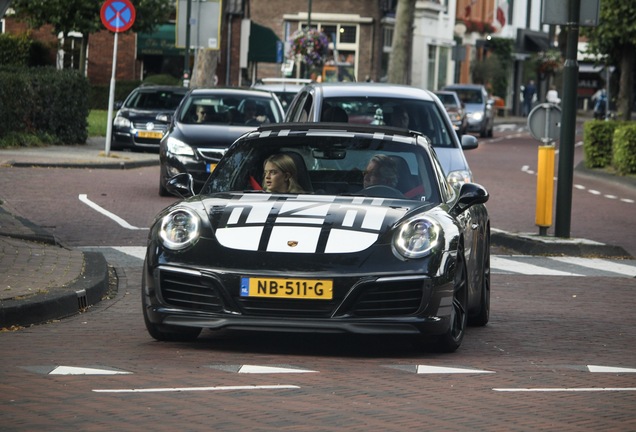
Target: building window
x=442, y=71
x=387, y=39
x=432, y=56
x=346, y=44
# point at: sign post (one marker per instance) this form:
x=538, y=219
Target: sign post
x=118, y=16
x=544, y=122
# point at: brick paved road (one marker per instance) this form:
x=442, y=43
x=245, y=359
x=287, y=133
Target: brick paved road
x=544, y=333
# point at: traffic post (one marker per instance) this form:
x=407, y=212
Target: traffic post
x=544, y=122
x=117, y=16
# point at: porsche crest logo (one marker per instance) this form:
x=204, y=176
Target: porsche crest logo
x=292, y=243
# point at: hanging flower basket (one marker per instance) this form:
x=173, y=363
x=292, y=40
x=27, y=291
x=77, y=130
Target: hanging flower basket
x=478, y=27
x=310, y=47
x=549, y=62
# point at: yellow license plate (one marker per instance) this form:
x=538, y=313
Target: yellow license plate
x=314, y=289
x=149, y=134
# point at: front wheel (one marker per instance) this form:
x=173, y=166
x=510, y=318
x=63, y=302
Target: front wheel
x=482, y=316
x=452, y=339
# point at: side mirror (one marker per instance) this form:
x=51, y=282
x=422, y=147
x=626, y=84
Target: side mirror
x=119, y=104
x=470, y=194
x=469, y=142
x=181, y=184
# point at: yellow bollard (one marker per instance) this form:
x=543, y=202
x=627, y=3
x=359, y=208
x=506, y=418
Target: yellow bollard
x=545, y=188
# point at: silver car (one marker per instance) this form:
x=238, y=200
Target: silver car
x=382, y=104
x=479, y=107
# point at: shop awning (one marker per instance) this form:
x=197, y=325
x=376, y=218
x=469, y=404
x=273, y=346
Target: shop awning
x=264, y=45
x=159, y=42
x=532, y=41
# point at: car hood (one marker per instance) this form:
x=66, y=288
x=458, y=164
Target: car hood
x=209, y=134
x=137, y=115
x=474, y=107
x=451, y=159
x=303, y=224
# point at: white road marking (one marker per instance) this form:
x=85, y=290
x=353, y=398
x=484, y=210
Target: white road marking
x=566, y=389
x=135, y=251
x=599, y=264
x=609, y=369
x=424, y=369
x=84, y=198
x=189, y=389
x=271, y=369
x=497, y=262
x=70, y=370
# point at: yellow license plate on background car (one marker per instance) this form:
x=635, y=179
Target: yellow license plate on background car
x=149, y=134
x=315, y=289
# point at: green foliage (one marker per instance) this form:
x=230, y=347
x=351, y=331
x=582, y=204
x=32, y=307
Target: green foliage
x=162, y=80
x=494, y=70
x=45, y=103
x=99, y=94
x=14, y=50
x=616, y=31
x=97, y=122
x=624, y=149
x=597, y=142
x=84, y=15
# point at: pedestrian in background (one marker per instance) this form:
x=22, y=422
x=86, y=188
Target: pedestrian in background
x=553, y=96
x=529, y=92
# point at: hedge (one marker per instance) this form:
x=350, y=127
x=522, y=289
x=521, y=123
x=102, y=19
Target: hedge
x=597, y=144
x=44, y=102
x=624, y=149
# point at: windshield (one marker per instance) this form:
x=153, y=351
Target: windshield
x=470, y=96
x=328, y=165
x=418, y=115
x=154, y=100
x=229, y=109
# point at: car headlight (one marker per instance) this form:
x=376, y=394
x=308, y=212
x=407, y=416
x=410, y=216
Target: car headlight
x=178, y=147
x=455, y=117
x=459, y=177
x=477, y=115
x=179, y=229
x=416, y=238
x=122, y=122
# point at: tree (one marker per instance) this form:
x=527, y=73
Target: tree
x=84, y=16
x=399, y=64
x=614, y=39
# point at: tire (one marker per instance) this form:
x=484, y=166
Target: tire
x=482, y=316
x=452, y=339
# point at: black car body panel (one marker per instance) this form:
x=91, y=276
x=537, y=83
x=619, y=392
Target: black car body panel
x=139, y=124
x=264, y=261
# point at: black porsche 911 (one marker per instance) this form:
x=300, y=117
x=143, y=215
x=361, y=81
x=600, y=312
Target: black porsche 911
x=409, y=254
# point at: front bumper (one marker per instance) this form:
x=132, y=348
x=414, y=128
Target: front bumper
x=395, y=304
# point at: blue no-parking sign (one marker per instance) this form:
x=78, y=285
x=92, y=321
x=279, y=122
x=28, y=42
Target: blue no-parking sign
x=118, y=15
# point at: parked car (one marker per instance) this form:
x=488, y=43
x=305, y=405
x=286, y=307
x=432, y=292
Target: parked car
x=455, y=109
x=139, y=123
x=194, y=144
x=284, y=88
x=386, y=104
x=341, y=254
x=479, y=107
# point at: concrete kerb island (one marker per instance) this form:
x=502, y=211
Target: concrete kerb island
x=534, y=244
x=56, y=303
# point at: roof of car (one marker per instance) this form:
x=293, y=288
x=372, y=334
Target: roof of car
x=230, y=90
x=336, y=89
x=464, y=86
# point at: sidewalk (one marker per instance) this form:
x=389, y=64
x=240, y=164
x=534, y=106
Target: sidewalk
x=41, y=280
